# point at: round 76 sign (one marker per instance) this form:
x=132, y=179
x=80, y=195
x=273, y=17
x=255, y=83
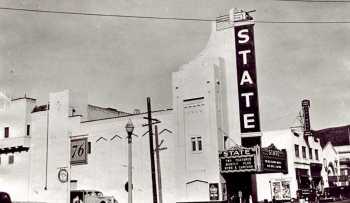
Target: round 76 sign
x=78, y=153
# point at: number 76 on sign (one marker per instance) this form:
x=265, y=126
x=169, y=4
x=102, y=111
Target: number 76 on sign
x=78, y=151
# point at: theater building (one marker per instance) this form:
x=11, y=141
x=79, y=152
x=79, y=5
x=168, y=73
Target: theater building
x=214, y=149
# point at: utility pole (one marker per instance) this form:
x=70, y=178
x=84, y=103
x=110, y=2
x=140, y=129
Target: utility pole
x=151, y=150
x=159, y=176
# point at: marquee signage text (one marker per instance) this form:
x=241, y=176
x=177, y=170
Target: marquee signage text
x=246, y=78
x=255, y=160
x=238, y=159
x=273, y=160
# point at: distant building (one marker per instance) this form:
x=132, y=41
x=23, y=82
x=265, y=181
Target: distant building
x=340, y=139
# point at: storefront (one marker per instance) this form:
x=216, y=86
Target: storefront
x=240, y=165
x=316, y=178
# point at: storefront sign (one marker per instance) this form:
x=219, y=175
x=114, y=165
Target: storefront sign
x=238, y=159
x=79, y=151
x=246, y=78
x=306, y=105
x=213, y=191
x=255, y=159
x=273, y=160
x=63, y=175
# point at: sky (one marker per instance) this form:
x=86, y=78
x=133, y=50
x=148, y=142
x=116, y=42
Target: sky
x=121, y=61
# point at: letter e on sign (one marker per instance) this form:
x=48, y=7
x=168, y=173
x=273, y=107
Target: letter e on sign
x=78, y=151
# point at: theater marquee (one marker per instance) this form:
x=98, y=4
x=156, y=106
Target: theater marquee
x=253, y=159
x=238, y=159
x=246, y=78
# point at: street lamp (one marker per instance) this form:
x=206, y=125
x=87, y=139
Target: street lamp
x=129, y=127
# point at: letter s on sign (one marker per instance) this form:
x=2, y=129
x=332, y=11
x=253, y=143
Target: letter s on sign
x=243, y=34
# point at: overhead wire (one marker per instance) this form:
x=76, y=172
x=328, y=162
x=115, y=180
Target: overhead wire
x=103, y=15
x=164, y=18
x=316, y=1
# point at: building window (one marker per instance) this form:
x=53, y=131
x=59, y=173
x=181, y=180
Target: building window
x=28, y=130
x=303, y=151
x=11, y=159
x=316, y=154
x=6, y=132
x=196, y=143
x=193, y=141
x=296, y=149
x=199, y=142
x=310, y=153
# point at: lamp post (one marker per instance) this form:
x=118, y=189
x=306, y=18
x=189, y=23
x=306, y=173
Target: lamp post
x=129, y=129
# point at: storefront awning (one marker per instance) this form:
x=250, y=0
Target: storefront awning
x=14, y=149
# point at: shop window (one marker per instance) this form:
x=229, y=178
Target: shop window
x=303, y=149
x=6, y=132
x=11, y=159
x=310, y=153
x=28, y=130
x=296, y=149
x=316, y=154
x=196, y=143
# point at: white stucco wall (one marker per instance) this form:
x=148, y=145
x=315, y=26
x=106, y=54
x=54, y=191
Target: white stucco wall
x=107, y=164
x=14, y=178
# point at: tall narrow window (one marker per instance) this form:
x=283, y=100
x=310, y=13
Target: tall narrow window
x=11, y=159
x=304, y=152
x=6, y=132
x=296, y=149
x=197, y=144
x=193, y=141
x=310, y=153
x=316, y=154
x=28, y=130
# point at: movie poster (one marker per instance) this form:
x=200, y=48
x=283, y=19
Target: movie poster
x=280, y=189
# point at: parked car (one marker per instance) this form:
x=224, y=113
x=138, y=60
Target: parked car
x=90, y=196
x=5, y=198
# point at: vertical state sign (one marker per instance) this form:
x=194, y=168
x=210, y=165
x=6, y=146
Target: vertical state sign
x=246, y=78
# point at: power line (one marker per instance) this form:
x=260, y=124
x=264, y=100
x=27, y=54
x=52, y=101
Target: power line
x=302, y=22
x=165, y=18
x=316, y=1
x=105, y=15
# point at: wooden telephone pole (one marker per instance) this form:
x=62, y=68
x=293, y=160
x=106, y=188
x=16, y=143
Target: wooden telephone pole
x=151, y=150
